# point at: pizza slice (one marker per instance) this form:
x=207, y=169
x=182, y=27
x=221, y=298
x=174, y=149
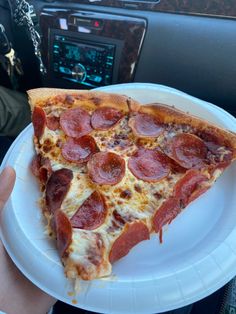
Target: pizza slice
x=113, y=171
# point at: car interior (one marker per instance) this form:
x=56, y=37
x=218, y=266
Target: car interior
x=85, y=44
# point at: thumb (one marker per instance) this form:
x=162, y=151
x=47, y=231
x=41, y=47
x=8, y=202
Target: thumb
x=7, y=180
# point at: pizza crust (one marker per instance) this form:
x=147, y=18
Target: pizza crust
x=170, y=114
x=165, y=113
x=91, y=99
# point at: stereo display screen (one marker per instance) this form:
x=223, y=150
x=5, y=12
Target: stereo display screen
x=82, y=53
x=89, y=64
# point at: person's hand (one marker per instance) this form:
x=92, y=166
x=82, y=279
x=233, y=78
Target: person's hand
x=17, y=293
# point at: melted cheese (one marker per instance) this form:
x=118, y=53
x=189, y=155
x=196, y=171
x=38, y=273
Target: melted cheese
x=85, y=258
x=132, y=199
x=118, y=139
x=138, y=206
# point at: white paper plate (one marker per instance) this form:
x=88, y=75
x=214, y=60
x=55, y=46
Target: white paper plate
x=198, y=255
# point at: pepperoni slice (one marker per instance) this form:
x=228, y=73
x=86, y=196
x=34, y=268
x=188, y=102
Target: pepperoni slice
x=188, y=150
x=166, y=213
x=79, y=149
x=222, y=154
x=149, y=165
x=186, y=190
x=105, y=117
x=146, y=125
x=106, y=168
x=62, y=227
x=75, y=122
x=57, y=187
x=133, y=234
x=39, y=121
x=198, y=192
x=41, y=168
x=35, y=165
x=91, y=214
x=53, y=123
x=189, y=185
x=211, y=140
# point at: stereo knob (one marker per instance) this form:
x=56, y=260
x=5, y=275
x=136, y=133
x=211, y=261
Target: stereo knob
x=79, y=72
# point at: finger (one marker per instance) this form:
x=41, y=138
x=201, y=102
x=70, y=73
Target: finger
x=7, y=180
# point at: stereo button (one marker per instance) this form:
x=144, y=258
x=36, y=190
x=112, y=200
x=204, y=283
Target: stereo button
x=65, y=70
x=55, y=67
x=95, y=78
x=79, y=72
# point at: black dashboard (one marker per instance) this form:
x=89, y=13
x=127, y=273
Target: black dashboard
x=188, y=45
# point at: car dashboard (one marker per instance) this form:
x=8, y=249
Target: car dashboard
x=187, y=45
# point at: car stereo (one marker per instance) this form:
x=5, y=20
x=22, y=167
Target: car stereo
x=84, y=62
